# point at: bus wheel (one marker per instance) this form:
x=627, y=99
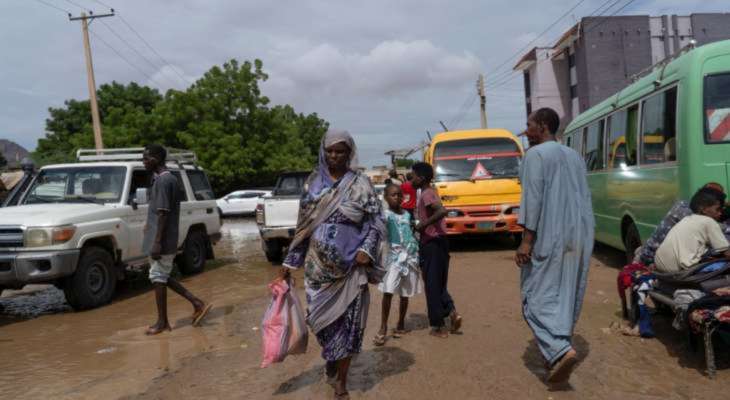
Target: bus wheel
x=632, y=241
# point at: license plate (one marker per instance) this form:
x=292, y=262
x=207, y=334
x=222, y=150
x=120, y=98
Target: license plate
x=485, y=226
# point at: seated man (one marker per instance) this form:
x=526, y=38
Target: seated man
x=695, y=235
x=679, y=210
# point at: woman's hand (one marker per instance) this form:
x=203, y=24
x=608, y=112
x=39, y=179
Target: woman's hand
x=362, y=259
x=284, y=273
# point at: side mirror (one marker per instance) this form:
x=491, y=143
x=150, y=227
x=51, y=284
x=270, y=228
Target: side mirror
x=140, y=198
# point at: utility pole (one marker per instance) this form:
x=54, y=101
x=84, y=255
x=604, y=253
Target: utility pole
x=98, y=141
x=482, y=100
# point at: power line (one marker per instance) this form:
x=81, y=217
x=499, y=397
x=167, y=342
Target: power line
x=102, y=4
x=73, y=3
x=55, y=7
x=154, y=51
x=504, y=74
x=466, y=111
x=551, y=26
x=461, y=108
x=606, y=18
x=154, y=66
x=124, y=58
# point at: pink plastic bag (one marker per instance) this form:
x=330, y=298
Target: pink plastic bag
x=284, y=329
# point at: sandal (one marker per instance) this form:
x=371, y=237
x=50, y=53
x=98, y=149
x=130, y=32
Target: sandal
x=152, y=330
x=398, y=333
x=342, y=396
x=198, y=316
x=379, y=340
x=563, y=368
x=456, y=321
x=439, y=333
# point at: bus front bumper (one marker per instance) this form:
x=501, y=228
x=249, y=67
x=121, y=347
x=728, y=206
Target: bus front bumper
x=482, y=219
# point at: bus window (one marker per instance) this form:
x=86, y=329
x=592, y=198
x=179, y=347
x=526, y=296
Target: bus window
x=617, y=139
x=658, y=116
x=578, y=141
x=594, y=146
x=717, y=108
x=632, y=117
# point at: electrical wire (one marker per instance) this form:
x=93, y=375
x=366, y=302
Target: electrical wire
x=102, y=4
x=153, y=65
x=504, y=74
x=465, y=112
x=551, y=26
x=508, y=79
x=131, y=64
x=67, y=12
x=73, y=3
x=174, y=68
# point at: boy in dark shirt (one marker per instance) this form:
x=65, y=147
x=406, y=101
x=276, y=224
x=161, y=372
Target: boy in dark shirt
x=434, y=253
x=160, y=238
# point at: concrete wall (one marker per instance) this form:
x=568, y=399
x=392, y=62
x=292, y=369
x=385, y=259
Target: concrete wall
x=549, y=84
x=609, y=51
x=708, y=28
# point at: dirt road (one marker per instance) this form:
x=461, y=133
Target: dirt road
x=104, y=354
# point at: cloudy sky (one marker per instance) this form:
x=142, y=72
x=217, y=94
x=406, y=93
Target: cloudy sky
x=386, y=70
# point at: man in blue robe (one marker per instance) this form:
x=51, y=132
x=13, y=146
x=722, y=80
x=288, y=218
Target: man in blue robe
x=557, y=217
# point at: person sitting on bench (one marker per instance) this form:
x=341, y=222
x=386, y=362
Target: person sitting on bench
x=695, y=236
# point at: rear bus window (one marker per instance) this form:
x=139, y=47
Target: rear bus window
x=717, y=108
x=658, y=128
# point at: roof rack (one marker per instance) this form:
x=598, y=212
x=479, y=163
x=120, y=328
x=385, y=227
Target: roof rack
x=663, y=63
x=179, y=156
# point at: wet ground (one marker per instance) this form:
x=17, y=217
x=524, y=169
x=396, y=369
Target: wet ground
x=48, y=351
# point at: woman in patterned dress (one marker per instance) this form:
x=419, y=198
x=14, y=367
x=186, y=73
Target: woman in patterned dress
x=338, y=241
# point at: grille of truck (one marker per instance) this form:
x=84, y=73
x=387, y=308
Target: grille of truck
x=11, y=236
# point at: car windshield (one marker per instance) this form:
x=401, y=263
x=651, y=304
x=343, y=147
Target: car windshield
x=717, y=108
x=77, y=185
x=476, y=159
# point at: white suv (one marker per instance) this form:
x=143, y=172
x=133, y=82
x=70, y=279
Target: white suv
x=79, y=226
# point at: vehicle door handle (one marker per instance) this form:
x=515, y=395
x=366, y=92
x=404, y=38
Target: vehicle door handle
x=209, y=211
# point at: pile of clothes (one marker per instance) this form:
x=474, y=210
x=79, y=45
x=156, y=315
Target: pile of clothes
x=701, y=297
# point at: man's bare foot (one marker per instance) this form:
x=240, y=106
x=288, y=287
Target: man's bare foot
x=627, y=331
x=157, y=329
x=563, y=368
x=440, y=333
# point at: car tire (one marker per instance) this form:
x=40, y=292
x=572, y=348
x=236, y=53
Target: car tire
x=94, y=282
x=273, y=251
x=632, y=241
x=195, y=250
x=517, y=237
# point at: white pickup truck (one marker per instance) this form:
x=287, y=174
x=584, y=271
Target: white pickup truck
x=79, y=226
x=276, y=214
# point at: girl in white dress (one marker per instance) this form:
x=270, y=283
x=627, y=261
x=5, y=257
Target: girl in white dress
x=403, y=276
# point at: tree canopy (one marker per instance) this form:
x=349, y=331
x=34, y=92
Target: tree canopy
x=239, y=138
x=3, y=161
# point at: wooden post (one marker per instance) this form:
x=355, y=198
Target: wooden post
x=96, y=121
x=98, y=140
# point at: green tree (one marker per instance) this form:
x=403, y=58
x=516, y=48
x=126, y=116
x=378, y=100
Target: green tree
x=226, y=120
x=3, y=161
x=126, y=113
x=404, y=162
x=239, y=139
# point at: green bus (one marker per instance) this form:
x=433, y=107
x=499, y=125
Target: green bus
x=656, y=141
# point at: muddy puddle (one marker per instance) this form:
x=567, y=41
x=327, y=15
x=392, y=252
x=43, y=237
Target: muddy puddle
x=50, y=351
